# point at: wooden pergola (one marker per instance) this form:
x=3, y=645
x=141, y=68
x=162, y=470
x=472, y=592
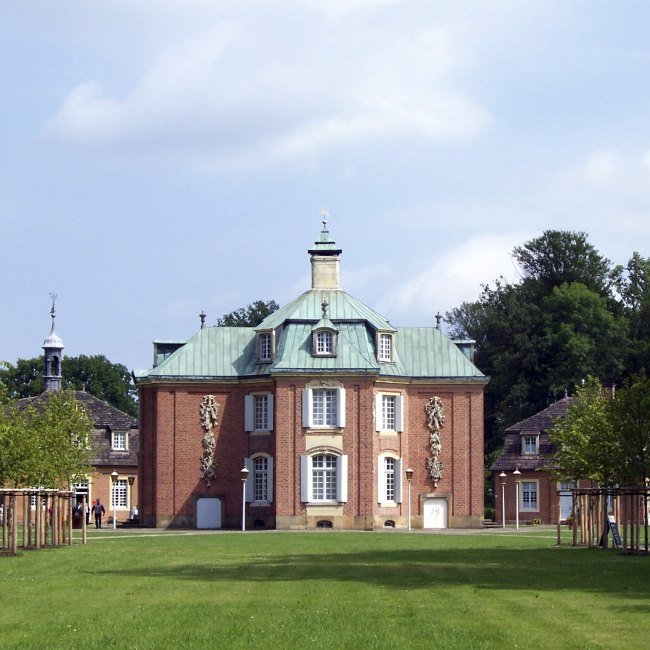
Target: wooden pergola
x=597, y=511
x=49, y=523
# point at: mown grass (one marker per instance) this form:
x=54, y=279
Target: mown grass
x=325, y=589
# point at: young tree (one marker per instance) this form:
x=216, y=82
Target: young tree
x=249, y=316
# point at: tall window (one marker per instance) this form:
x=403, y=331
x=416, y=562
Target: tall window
x=529, y=495
x=324, y=408
x=119, y=440
x=529, y=444
x=389, y=477
x=324, y=478
x=264, y=346
x=261, y=478
x=385, y=347
x=388, y=411
x=324, y=343
x=258, y=412
x=119, y=493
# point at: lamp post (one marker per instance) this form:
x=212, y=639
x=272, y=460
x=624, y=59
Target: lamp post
x=114, y=476
x=131, y=482
x=409, y=478
x=244, y=477
x=502, y=476
x=517, y=474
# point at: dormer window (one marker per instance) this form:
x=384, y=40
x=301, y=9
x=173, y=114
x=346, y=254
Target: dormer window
x=530, y=444
x=385, y=347
x=324, y=343
x=324, y=335
x=265, y=347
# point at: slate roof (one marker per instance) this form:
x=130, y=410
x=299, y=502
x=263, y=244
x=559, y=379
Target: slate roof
x=541, y=423
x=105, y=418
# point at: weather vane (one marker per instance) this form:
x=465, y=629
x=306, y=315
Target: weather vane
x=326, y=215
x=54, y=296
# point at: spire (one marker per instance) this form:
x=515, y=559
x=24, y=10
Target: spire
x=53, y=348
x=325, y=259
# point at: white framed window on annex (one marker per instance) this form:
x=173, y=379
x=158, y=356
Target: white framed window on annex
x=119, y=494
x=259, y=484
x=529, y=496
x=389, y=412
x=530, y=443
x=323, y=407
x=258, y=412
x=119, y=441
x=324, y=477
x=389, y=479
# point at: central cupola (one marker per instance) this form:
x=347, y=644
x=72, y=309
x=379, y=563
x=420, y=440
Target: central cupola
x=325, y=259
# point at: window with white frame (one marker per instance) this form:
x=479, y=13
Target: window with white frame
x=324, y=343
x=265, y=346
x=258, y=412
x=119, y=493
x=389, y=487
x=324, y=478
x=389, y=412
x=323, y=407
x=118, y=441
x=529, y=444
x=529, y=495
x=259, y=484
x=385, y=347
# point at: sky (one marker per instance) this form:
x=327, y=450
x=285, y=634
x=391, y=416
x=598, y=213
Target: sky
x=159, y=158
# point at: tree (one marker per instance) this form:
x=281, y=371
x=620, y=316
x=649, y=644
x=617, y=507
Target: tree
x=603, y=439
x=249, y=316
x=95, y=374
x=46, y=443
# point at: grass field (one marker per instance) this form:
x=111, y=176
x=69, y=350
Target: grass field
x=324, y=589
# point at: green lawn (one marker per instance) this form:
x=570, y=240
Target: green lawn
x=324, y=589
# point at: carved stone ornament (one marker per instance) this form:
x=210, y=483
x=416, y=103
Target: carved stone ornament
x=209, y=412
x=435, y=421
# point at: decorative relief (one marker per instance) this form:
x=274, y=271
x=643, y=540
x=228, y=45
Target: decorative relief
x=435, y=421
x=209, y=412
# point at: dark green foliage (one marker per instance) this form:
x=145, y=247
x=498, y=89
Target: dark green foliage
x=95, y=374
x=250, y=316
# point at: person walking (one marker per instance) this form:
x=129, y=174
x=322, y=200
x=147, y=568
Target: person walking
x=99, y=512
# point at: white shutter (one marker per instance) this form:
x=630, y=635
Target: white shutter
x=381, y=479
x=306, y=407
x=269, y=490
x=342, y=479
x=340, y=405
x=249, y=413
x=269, y=405
x=249, y=464
x=398, y=480
x=378, y=413
x=399, y=413
x=305, y=479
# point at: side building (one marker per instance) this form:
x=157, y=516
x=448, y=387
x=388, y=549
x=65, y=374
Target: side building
x=334, y=415
x=115, y=439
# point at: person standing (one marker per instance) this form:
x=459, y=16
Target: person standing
x=99, y=512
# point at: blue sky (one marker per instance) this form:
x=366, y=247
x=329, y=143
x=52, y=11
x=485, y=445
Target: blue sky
x=159, y=158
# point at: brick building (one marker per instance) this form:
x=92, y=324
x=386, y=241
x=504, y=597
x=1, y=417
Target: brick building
x=527, y=449
x=326, y=404
x=115, y=438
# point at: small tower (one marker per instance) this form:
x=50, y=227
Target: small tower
x=53, y=347
x=325, y=257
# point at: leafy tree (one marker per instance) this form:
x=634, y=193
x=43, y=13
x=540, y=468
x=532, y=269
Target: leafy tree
x=603, y=439
x=95, y=374
x=45, y=443
x=249, y=316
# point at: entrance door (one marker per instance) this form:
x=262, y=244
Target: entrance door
x=208, y=513
x=435, y=513
x=566, y=500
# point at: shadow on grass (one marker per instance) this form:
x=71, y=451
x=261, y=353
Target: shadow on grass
x=514, y=569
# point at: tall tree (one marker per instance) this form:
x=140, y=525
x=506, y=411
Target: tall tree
x=249, y=316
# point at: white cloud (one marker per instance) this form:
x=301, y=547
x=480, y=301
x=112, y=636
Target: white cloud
x=601, y=166
x=247, y=90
